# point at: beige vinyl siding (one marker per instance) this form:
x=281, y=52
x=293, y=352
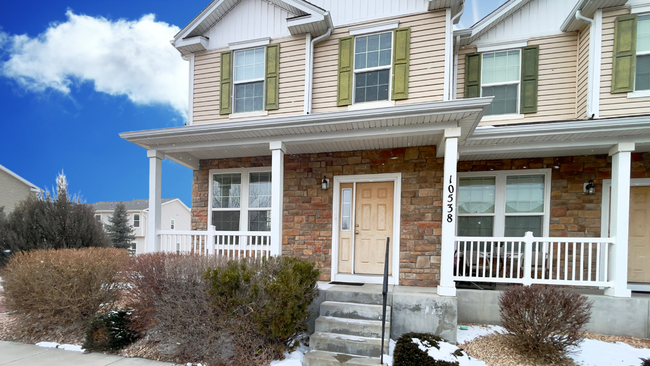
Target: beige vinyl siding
x=556, y=100
x=292, y=85
x=615, y=105
x=583, y=73
x=460, y=85
x=426, y=68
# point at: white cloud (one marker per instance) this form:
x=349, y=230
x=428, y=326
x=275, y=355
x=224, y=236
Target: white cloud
x=132, y=58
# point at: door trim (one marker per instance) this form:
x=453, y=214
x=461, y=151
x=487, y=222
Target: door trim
x=604, y=222
x=396, y=178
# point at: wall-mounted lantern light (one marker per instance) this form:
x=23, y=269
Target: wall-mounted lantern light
x=325, y=183
x=589, y=187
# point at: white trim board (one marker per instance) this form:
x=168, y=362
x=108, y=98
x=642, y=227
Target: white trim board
x=604, y=221
x=396, y=178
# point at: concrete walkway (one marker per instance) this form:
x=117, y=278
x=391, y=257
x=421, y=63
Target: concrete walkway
x=14, y=354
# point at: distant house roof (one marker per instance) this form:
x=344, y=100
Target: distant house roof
x=32, y=186
x=135, y=205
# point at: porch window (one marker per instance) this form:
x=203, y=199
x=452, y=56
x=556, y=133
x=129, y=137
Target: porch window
x=372, y=65
x=232, y=213
x=505, y=203
x=249, y=80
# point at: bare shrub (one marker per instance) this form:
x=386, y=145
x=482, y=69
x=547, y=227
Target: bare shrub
x=63, y=287
x=544, y=321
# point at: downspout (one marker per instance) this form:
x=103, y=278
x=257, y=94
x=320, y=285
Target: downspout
x=590, y=75
x=311, y=64
x=308, y=51
x=452, y=64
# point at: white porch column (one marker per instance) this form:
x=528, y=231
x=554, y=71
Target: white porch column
x=619, y=219
x=277, y=195
x=155, y=177
x=447, y=286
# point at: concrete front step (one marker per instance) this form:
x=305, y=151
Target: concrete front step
x=355, y=327
x=350, y=310
x=348, y=344
x=322, y=358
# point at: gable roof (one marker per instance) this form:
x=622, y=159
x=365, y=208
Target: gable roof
x=308, y=18
x=472, y=33
x=587, y=9
x=32, y=187
x=135, y=205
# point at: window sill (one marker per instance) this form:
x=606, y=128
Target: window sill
x=501, y=117
x=371, y=105
x=638, y=94
x=249, y=114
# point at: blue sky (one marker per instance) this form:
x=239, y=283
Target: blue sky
x=74, y=74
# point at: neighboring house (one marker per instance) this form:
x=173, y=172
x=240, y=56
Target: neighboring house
x=318, y=129
x=175, y=216
x=14, y=189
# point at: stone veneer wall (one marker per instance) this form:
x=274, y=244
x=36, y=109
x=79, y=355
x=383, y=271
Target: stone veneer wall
x=307, y=218
x=573, y=214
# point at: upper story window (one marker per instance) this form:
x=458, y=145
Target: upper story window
x=136, y=220
x=642, y=79
x=510, y=76
x=372, y=66
x=172, y=224
x=98, y=218
x=249, y=80
x=500, y=76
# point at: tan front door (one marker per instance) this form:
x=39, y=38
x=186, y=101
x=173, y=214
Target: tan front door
x=639, y=240
x=363, y=235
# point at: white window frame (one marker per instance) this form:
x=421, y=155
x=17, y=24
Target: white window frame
x=136, y=220
x=172, y=224
x=518, y=83
x=248, y=81
x=243, y=198
x=388, y=67
x=645, y=53
x=499, y=213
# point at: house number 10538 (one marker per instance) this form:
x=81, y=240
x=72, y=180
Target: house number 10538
x=450, y=200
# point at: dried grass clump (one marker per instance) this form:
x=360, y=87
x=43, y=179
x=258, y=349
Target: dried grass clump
x=544, y=321
x=64, y=287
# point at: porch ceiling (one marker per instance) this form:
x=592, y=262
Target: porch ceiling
x=556, y=139
x=380, y=128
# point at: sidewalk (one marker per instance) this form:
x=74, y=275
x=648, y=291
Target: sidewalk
x=14, y=354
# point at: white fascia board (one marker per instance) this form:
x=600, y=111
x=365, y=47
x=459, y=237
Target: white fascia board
x=305, y=19
x=503, y=45
x=374, y=27
x=249, y=43
x=570, y=22
x=305, y=7
x=198, y=20
x=319, y=119
x=561, y=128
x=198, y=40
x=21, y=179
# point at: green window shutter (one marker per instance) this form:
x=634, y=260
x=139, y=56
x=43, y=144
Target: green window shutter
x=346, y=57
x=529, y=79
x=473, y=75
x=272, y=77
x=624, y=55
x=225, y=90
x=401, y=56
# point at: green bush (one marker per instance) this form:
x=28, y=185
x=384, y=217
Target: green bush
x=110, y=332
x=273, y=296
x=544, y=321
x=63, y=287
x=408, y=353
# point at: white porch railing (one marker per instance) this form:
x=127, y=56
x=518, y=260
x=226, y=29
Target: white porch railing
x=230, y=244
x=529, y=260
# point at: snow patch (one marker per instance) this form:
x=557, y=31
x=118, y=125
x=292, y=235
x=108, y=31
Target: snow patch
x=292, y=359
x=66, y=347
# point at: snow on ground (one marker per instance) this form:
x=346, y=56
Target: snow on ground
x=67, y=347
x=292, y=359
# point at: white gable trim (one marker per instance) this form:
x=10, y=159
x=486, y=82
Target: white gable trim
x=32, y=187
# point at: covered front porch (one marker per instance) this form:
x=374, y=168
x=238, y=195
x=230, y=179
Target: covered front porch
x=418, y=148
